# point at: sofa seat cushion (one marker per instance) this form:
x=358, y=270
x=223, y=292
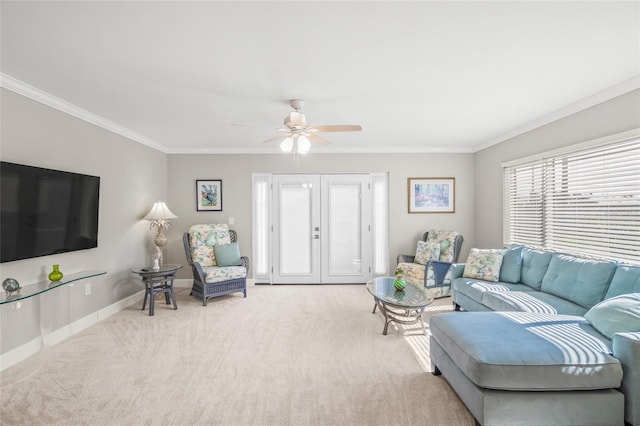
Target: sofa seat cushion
x=216, y=274
x=475, y=289
x=527, y=351
x=531, y=301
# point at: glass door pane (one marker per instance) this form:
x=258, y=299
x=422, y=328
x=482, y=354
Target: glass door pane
x=345, y=229
x=296, y=218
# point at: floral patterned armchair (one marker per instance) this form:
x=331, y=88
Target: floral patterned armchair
x=432, y=261
x=215, y=277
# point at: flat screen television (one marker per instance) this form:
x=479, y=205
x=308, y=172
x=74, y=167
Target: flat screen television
x=46, y=211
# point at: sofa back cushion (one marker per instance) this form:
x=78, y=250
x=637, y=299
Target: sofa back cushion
x=534, y=267
x=511, y=269
x=625, y=280
x=581, y=281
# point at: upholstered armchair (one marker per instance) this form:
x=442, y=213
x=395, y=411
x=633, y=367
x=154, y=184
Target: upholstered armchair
x=431, y=263
x=213, y=253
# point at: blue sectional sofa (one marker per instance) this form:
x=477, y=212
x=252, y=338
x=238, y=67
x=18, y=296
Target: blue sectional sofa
x=552, y=339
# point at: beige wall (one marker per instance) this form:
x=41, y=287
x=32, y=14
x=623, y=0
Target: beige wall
x=132, y=177
x=614, y=116
x=236, y=174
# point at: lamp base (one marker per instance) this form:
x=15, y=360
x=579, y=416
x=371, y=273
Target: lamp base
x=160, y=240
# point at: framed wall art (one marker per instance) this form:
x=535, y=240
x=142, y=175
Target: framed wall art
x=432, y=195
x=209, y=195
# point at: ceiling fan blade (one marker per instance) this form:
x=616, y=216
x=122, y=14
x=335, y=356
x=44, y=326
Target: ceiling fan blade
x=276, y=138
x=338, y=128
x=317, y=139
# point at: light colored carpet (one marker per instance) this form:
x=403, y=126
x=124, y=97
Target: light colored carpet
x=285, y=355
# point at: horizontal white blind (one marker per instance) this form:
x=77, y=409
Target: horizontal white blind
x=584, y=202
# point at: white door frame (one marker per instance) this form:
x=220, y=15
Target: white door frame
x=264, y=227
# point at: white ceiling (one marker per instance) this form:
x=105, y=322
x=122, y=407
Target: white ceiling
x=418, y=76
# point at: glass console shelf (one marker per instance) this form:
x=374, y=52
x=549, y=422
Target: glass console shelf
x=44, y=286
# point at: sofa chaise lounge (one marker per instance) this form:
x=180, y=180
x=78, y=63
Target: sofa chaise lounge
x=548, y=339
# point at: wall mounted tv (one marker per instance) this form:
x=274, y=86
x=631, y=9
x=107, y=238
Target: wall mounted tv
x=46, y=211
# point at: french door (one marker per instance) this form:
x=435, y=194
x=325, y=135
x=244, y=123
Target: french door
x=321, y=229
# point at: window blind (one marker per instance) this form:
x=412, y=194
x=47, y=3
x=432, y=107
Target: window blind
x=584, y=202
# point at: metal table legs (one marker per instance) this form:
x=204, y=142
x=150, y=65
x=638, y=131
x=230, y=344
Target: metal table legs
x=399, y=316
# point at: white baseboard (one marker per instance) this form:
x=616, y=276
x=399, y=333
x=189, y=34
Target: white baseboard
x=23, y=352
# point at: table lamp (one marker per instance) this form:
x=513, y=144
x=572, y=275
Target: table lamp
x=159, y=217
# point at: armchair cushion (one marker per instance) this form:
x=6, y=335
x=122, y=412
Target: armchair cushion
x=413, y=273
x=483, y=265
x=216, y=274
x=426, y=251
x=202, y=240
x=227, y=254
x=447, y=241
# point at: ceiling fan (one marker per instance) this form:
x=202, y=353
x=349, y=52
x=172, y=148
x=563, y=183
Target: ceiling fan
x=298, y=135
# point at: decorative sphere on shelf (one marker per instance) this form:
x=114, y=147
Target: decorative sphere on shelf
x=10, y=285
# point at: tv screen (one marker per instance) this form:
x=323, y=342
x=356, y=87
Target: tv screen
x=46, y=211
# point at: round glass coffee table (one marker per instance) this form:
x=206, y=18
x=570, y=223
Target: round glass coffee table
x=399, y=306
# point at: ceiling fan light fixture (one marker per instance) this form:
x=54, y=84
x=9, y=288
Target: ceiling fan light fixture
x=304, y=144
x=287, y=144
x=298, y=135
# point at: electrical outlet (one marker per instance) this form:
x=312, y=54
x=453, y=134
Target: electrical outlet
x=231, y=220
x=87, y=289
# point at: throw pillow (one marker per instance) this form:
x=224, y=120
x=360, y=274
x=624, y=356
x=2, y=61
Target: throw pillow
x=616, y=315
x=227, y=254
x=427, y=251
x=483, y=265
x=511, y=265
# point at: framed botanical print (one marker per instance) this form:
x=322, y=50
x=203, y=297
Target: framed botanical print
x=431, y=195
x=209, y=195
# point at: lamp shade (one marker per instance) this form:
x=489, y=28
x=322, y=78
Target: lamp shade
x=160, y=211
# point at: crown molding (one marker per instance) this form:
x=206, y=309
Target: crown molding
x=48, y=99
x=595, y=99
x=325, y=150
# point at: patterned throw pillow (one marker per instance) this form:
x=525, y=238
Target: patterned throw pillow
x=447, y=241
x=483, y=265
x=427, y=251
